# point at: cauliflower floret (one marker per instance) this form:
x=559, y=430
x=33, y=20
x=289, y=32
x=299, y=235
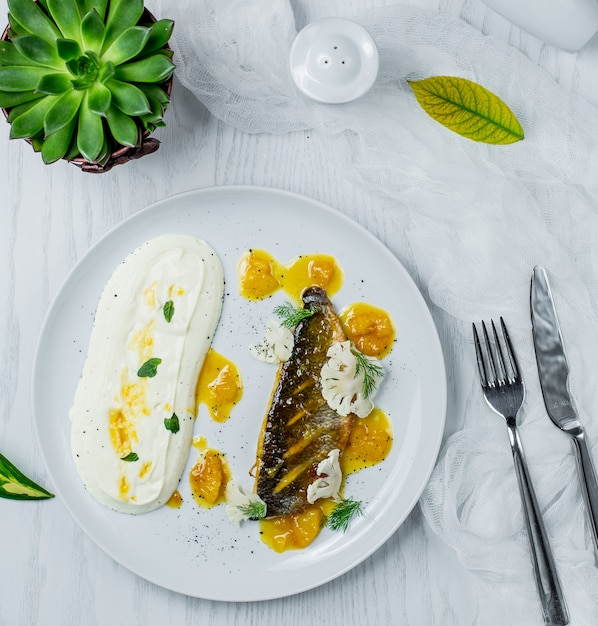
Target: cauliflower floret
x=342, y=387
x=240, y=505
x=329, y=482
x=276, y=346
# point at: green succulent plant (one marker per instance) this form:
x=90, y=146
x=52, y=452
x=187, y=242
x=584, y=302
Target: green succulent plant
x=82, y=78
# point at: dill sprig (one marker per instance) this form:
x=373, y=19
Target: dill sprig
x=371, y=371
x=254, y=510
x=291, y=315
x=343, y=513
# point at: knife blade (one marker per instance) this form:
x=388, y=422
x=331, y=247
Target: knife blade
x=553, y=371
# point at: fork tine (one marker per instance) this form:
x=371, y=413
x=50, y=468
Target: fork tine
x=491, y=361
x=479, y=357
x=503, y=376
x=510, y=352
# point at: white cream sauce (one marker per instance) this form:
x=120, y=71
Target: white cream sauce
x=116, y=412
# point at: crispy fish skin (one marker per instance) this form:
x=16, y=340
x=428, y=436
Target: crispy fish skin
x=300, y=429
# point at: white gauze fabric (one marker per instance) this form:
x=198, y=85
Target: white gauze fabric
x=475, y=220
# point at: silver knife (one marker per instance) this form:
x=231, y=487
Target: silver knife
x=553, y=369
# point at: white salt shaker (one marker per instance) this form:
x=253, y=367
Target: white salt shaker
x=566, y=24
x=334, y=60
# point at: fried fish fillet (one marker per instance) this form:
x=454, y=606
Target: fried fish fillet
x=300, y=429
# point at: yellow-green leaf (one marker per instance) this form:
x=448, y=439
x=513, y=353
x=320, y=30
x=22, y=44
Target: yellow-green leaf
x=468, y=109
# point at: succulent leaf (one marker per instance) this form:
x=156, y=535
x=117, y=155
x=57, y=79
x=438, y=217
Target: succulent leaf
x=38, y=50
x=99, y=5
x=68, y=49
x=56, y=145
x=10, y=55
x=92, y=31
x=154, y=69
x=33, y=19
x=122, y=127
x=99, y=98
x=90, y=133
x=127, y=45
x=106, y=72
x=31, y=122
x=54, y=84
x=159, y=35
x=154, y=91
x=12, y=99
x=128, y=98
x=63, y=111
x=19, y=110
x=122, y=14
x=21, y=78
x=67, y=17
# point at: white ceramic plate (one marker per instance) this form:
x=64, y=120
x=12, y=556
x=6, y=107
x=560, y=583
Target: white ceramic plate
x=195, y=551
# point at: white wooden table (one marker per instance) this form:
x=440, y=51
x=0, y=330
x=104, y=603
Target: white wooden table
x=51, y=573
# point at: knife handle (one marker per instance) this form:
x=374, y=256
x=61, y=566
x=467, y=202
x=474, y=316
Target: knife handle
x=589, y=484
x=547, y=580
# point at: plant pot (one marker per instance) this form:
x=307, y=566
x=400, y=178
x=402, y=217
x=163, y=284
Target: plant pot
x=120, y=154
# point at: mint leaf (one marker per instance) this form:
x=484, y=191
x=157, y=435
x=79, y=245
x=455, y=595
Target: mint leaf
x=172, y=423
x=131, y=457
x=168, y=310
x=149, y=369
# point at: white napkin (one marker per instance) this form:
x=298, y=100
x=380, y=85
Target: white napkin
x=476, y=219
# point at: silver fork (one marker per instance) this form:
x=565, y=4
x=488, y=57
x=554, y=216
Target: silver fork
x=504, y=390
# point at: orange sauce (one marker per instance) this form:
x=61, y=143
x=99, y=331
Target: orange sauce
x=208, y=478
x=292, y=532
x=370, y=442
x=261, y=275
x=175, y=501
x=219, y=386
x=369, y=328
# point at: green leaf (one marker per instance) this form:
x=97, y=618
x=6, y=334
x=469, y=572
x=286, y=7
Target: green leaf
x=122, y=14
x=63, y=111
x=172, y=423
x=131, y=457
x=39, y=51
x=254, y=510
x=149, y=369
x=168, y=310
x=16, y=486
x=57, y=144
x=90, y=132
x=370, y=369
x=127, y=45
x=161, y=32
x=156, y=92
x=19, y=110
x=67, y=17
x=468, y=109
x=10, y=55
x=154, y=69
x=93, y=31
x=21, y=78
x=31, y=18
x=68, y=49
x=99, y=98
x=291, y=315
x=54, y=83
x=99, y=5
x=128, y=98
x=343, y=513
x=123, y=128
x=106, y=72
x=11, y=99
x=31, y=122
